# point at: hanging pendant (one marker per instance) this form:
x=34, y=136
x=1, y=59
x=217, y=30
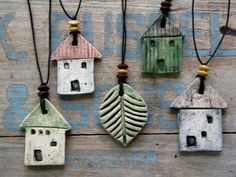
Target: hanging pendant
x=162, y=48
x=75, y=63
x=200, y=117
x=123, y=117
x=45, y=136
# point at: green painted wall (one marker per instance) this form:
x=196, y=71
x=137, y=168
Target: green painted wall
x=162, y=55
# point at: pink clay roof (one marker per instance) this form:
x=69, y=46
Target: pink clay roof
x=83, y=50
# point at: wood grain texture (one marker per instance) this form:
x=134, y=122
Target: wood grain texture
x=92, y=155
x=162, y=55
x=162, y=48
x=156, y=30
x=82, y=111
x=99, y=156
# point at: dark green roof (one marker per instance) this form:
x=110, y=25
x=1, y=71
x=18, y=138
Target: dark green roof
x=53, y=119
x=156, y=30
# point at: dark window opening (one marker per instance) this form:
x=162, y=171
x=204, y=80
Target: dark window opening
x=47, y=132
x=38, y=155
x=161, y=64
x=40, y=132
x=53, y=143
x=66, y=65
x=84, y=65
x=172, y=43
x=204, y=134
x=191, y=141
x=209, y=119
x=152, y=43
x=33, y=131
x=75, y=85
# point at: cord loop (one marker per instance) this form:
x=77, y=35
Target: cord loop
x=203, y=72
x=122, y=75
x=74, y=30
x=165, y=9
x=43, y=94
x=221, y=40
x=74, y=17
x=202, y=84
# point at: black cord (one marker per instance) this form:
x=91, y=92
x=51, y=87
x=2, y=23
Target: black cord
x=124, y=33
x=220, y=42
x=43, y=88
x=34, y=42
x=122, y=77
x=67, y=14
x=165, y=9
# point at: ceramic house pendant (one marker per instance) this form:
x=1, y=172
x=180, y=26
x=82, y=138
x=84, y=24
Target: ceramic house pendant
x=162, y=48
x=123, y=117
x=45, y=136
x=200, y=118
x=75, y=65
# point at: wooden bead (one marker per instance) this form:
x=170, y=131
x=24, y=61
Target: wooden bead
x=43, y=94
x=74, y=28
x=122, y=71
x=202, y=73
x=122, y=76
x=165, y=9
x=166, y=4
x=122, y=66
x=43, y=88
x=73, y=22
x=204, y=68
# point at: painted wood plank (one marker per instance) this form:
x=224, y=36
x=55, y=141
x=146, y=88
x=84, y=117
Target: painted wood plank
x=82, y=112
x=99, y=24
x=151, y=156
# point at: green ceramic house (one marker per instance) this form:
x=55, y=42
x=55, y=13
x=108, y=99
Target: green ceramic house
x=45, y=136
x=162, y=48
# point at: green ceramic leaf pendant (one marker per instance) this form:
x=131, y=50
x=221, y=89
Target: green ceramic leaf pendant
x=123, y=117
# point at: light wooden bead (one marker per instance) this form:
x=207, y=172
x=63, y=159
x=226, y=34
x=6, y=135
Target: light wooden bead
x=73, y=22
x=74, y=28
x=202, y=73
x=122, y=71
x=204, y=67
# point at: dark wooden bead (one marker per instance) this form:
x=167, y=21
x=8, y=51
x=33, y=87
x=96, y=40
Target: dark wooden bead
x=43, y=94
x=122, y=76
x=43, y=88
x=122, y=66
x=166, y=4
x=165, y=9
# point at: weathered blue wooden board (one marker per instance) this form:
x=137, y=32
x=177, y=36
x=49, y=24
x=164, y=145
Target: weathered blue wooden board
x=99, y=156
x=101, y=25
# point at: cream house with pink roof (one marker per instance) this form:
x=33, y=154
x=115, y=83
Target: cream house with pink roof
x=75, y=66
